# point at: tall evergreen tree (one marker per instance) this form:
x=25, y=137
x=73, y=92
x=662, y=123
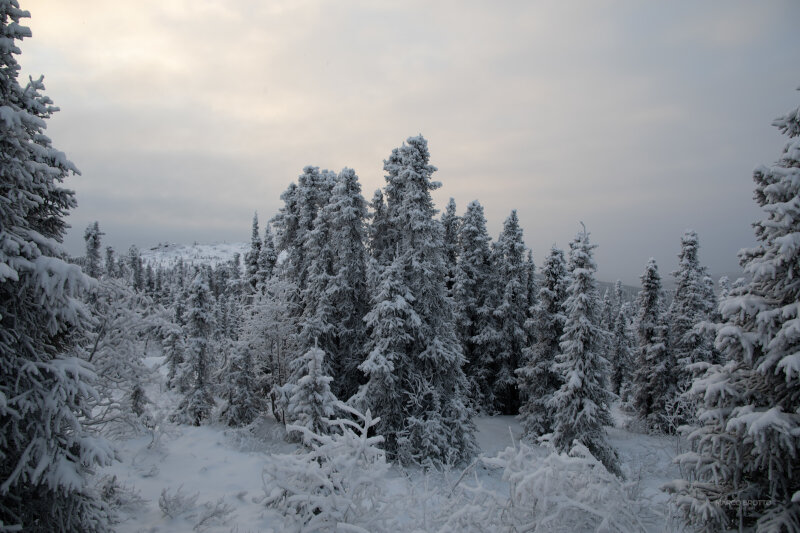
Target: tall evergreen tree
x=724, y=287
x=173, y=347
x=471, y=290
x=230, y=277
x=655, y=378
x=266, y=258
x=149, y=279
x=581, y=404
x=620, y=354
x=269, y=331
x=414, y=366
x=531, y=291
x=607, y=311
x=336, y=294
x=689, y=307
x=92, y=237
x=196, y=406
x=381, y=241
x=251, y=257
x=510, y=315
x=244, y=402
x=746, y=447
x=45, y=452
x=136, y=268
x=294, y=224
x=537, y=378
x=387, y=366
x=286, y=221
x=450, y=223
x=348, y=289
x=111, y=265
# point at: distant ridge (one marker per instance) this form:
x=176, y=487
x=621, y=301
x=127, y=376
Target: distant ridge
x=168, y=254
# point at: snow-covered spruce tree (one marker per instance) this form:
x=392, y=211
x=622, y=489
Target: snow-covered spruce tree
x=382, y=240
x=111, y=264
x=286, y=220
x=705, y=328
x=310, y=400
x=471, y=289
x=232, y=281
x=607, y=311
x=743, y=470
x=317, y=319
x=223, y=329
x=266, y=258
x=295, y=220
x=45, y=452
x=385, y=234
x=197, y=403
x=336, y=297
x=92, y=237
x=269, y=329
x=689, y=307
x=656, y=376
x=251, y=257
x=387, y=366
x=173, y=347
x=135, y=268
x=450, y=223
x=415, y=381
x=724, y=287
x=620, y=354
x=149, y=279
x=241, y=388
x=510, y=313
x=532, y=299
x=531, y=291
x=537, y=379
x=581, y=404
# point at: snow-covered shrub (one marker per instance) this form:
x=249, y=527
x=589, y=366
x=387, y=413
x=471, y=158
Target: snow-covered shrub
x=335, y=483
x=119, y=497
x=559, y=492
x=115, y=345
x=176, y=505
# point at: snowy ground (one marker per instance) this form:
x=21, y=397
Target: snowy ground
x=217, y=471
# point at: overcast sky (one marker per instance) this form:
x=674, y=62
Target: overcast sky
x=641, y=119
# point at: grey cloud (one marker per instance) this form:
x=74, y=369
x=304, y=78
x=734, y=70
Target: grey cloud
x=640, y=119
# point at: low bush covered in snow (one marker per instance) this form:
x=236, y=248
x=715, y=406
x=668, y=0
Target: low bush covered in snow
x=336, y=482
x=342, y=482
x=176, y=505
x=555, y=492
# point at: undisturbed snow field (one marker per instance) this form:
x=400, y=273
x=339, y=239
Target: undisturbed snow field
x=215, y=467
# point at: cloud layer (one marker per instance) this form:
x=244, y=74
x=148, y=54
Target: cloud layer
x=642, y=120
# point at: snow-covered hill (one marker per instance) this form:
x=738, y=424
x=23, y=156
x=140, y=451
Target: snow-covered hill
x=166, y=254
